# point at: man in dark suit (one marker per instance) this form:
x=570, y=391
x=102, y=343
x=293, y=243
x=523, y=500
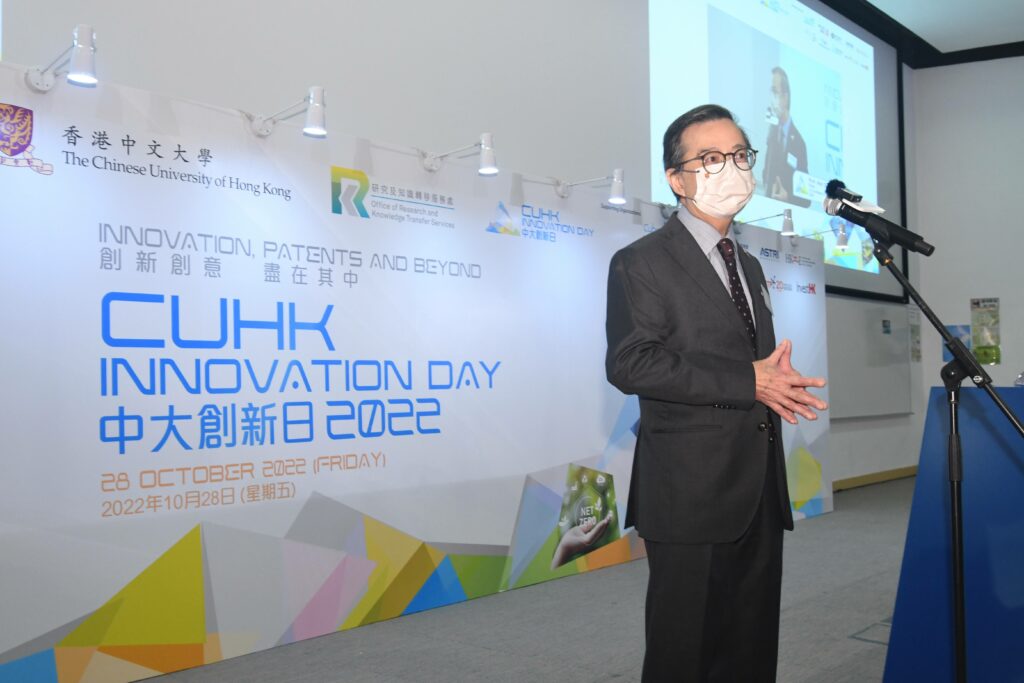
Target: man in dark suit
x=690, y=332
x=786, y=150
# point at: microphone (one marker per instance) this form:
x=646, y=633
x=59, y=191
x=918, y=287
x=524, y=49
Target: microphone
x=878, y=227
x=837, y=190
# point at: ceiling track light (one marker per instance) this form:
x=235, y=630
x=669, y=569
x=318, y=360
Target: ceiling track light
x=312, y=105
x=787, y=224
x=616, y=195
x=488, y=165
x=843, y=238
x=840, y=230
x=80, y=59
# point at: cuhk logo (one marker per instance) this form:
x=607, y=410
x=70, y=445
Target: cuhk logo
x=16, y=140
x=348, y=189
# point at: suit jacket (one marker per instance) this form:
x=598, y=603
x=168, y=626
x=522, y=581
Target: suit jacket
x=676, y=340
x=777, y=161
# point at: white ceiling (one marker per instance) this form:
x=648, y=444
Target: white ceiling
x=951, y=25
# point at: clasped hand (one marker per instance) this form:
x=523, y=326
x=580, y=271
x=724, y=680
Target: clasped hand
x=780, y=387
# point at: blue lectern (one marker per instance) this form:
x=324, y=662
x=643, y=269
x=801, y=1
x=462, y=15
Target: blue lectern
x=921, y=643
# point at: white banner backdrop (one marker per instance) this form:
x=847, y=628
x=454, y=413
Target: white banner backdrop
x=262, y=389
x=795, y=272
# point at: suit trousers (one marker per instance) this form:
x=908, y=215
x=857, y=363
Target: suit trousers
x=712, y=613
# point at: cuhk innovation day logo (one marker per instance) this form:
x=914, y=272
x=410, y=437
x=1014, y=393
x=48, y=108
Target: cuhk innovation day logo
x=502, y=223
x=16, y=140
x=348, y=190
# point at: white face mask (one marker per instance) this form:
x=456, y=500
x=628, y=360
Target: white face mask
x=724, y=194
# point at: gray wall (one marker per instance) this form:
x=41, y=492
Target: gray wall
x=970, y=168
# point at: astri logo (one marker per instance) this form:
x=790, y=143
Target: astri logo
x=773, y=254
x=348, y=189
x=502, y=223
x=16, y=140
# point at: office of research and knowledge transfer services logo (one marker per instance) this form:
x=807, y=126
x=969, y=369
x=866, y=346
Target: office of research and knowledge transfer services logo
x=16, y=140
x=348, y=190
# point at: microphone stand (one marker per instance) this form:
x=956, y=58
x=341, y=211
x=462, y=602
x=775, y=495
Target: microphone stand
x=963, y=365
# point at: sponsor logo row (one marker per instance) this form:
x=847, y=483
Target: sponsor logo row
x=769, y=254
x=355, y=194
x=780, y=285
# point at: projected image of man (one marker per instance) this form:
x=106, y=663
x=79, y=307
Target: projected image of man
x=785, y=149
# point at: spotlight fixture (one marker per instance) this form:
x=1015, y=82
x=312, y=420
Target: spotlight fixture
x=488, y=164
x=80, y=58
x=842, y=238
x=838, y=228
x=313, y=106
x=616, y=195
x=787, y=224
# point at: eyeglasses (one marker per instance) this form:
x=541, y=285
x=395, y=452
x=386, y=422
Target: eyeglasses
x=714, y=162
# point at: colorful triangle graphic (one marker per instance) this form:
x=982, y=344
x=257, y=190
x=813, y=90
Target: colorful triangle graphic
x=333, y=601
x=72, y=662
x=479, y=575
x=441, y=588
x=539, y=568
x=164, y=658
x=40, y=667
x=406, y=584
x=106, y=669
x=391, y=550
x=163, y=604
